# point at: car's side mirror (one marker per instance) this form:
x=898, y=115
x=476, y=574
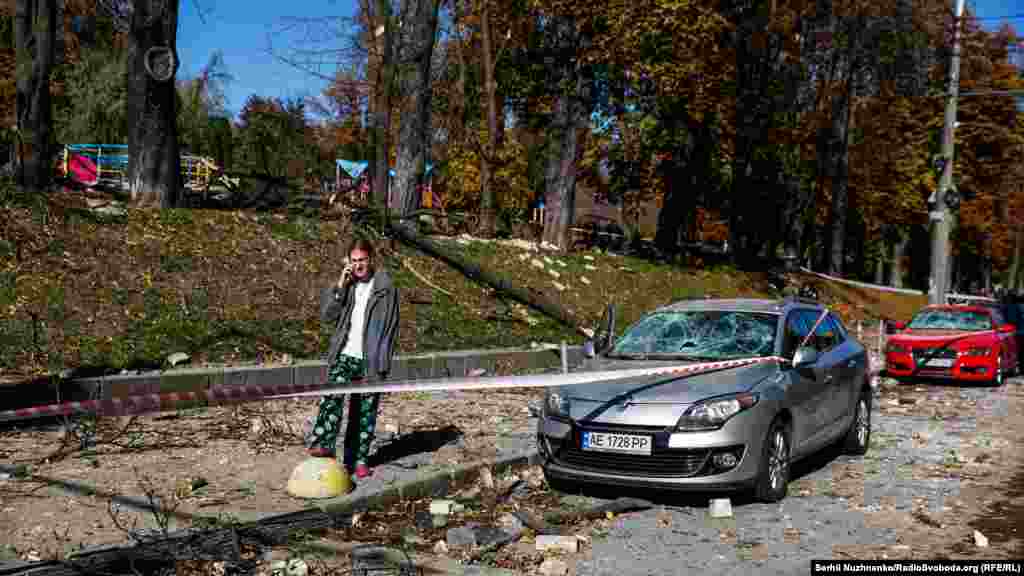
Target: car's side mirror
x=805, y=357
x=1007, y=328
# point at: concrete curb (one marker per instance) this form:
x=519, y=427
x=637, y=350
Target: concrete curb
x=430, y=486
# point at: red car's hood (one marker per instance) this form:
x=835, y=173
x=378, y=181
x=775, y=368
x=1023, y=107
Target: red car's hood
x=938, y=337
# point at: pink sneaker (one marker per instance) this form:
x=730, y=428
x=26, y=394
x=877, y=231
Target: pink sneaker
x=362, y=471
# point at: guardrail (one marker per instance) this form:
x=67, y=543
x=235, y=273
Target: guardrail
x=299, y=375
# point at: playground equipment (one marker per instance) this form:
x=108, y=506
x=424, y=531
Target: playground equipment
x=106, y=165
x=352, y=183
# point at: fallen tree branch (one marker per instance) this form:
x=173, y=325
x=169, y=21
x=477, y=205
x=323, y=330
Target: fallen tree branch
x=535, y=300
x=423, y=278
x=617, y=506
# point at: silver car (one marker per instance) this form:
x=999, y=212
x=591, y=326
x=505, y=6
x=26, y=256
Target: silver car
x=806, y=387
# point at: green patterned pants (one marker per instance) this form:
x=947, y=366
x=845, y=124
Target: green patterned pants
x=362, y=414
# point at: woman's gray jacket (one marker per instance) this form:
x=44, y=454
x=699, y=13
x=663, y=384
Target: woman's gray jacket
x=380, y=327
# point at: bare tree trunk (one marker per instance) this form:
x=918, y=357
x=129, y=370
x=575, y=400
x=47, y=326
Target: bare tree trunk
x=384, y=88
x=568, y=120
x=840, y=179
x=417, y=46
x=899, y=251
x=1016, y=273
x=880, y=268
x=489, y=201
x=154, y=160
x=35, y=39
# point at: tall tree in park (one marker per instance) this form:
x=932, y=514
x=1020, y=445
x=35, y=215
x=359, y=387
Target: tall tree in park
x=495, y=35
x=154, y=166
x=35, y=39
x=569, y=76
x=661, y=72
x=414, y=54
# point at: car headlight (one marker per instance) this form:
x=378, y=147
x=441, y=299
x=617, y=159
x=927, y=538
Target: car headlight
x=556, y=404
x=895, y=348
x=975, y=351
x=712, y=414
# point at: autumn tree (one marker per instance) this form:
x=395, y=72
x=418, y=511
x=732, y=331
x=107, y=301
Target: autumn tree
x=414, y=53
x=201, y=100
x=154, y=165
x=35, y=39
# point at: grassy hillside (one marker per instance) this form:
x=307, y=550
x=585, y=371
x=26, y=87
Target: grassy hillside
x=79, y=290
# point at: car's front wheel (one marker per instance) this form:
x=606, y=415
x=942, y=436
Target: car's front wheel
x=858, y=437
x=773, y=476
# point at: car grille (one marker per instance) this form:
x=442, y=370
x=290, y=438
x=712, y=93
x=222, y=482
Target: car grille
x=662, y=462
x=922, y=353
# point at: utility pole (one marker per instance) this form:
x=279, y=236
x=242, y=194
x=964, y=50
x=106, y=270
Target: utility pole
x=940, y=216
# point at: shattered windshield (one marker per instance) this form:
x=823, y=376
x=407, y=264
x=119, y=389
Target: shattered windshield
x=702, y=334
x=939, y=319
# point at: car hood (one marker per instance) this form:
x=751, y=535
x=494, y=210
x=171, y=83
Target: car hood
x=941, y=337
x=660, y=397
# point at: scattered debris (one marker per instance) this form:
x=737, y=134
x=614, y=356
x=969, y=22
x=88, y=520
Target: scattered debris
x=585, y=280
x=720, y=508
x=461, y=536
x=553, y=567
x=442, y=507
x=980, y=540
x=177, y=358
x=537, y=264
x=554, y=273
x=588, y=257
x=547, y=543
x=590, y=267
x=560, y=287
x=292, y=567
x=486, y=478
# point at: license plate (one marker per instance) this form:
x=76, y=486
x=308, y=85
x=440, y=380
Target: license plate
x=940, y=363
x=608, y=442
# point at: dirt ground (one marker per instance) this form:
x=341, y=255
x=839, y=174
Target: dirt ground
x=232, y=461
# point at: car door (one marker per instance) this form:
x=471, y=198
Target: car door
x=847, y=359
x=807, y=390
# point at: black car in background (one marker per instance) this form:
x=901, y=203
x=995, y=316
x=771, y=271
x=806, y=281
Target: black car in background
x=1013, y=311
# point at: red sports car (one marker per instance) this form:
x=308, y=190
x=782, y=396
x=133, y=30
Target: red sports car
x=970, y=343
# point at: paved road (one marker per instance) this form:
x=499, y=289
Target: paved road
x=824, y=512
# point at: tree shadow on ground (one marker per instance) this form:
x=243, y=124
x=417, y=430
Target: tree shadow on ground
x=418, y=442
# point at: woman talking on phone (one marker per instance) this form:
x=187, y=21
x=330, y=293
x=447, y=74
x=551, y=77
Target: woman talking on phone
x=363, y=308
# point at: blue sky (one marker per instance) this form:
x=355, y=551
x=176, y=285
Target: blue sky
x=239, y=28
